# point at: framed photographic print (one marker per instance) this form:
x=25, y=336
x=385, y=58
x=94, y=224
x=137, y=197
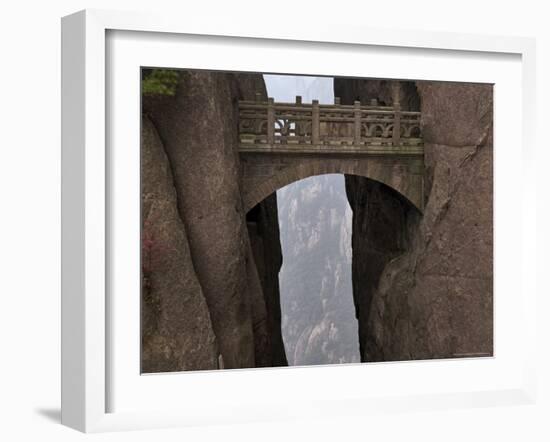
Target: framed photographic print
x=252, y=212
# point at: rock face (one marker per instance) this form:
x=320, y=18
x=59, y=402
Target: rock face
x=350, y=90
x=199, y=132
x=177, y=332
x=263, y=227
x=447, y=276
x=434, y=296
x=383, y=222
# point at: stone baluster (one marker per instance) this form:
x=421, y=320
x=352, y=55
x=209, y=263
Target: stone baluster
x=336, y=128
x=315, y=123
x=270, y=121
x=258, y=123
x=298, y=125
x=396, y=133
x=356, y=123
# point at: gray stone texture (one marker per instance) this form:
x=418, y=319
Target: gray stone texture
x=199, y=131
x=177, y=333
x=263, y=227
x=381, y=229
x=352, y=89
x=435, y=300
x=264, y=174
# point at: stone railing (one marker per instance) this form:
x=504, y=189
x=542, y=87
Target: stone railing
x=266, y=125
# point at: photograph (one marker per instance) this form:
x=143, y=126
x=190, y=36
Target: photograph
x=251, y=221
x=303, y=220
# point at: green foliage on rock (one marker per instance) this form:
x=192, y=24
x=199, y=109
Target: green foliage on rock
x=159, y=82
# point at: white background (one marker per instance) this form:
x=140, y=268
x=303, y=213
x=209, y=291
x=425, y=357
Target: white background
x=30, y=220
x=261, y=392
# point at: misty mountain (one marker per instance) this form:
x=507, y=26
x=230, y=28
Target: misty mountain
x=318, y=316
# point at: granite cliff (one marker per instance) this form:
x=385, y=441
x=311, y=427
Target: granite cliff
x=197, y=127
x=176, y=327
x=423, y=284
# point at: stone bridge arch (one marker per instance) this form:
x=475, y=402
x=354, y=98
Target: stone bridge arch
x=263, y=175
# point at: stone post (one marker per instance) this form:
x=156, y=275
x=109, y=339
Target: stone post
x=270, y=121
x=315, y=124
x=396, y=133
x=356, y=123
x=298, y=125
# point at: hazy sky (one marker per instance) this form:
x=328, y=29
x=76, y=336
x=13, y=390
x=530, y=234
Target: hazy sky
x=286, y=87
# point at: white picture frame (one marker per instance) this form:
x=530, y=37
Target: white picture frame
x=86, y=202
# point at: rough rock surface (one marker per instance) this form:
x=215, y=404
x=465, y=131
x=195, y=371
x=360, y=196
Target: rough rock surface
x=436, y=299
x=263, y=227
x=350, y=90
x=382, y=225
x=198, y=128
x=249, y=85
x=199, y=131
x=439, y=295
x=177, y=332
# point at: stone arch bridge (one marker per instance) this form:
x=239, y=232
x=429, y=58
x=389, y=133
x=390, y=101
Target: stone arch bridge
x=284, y=142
